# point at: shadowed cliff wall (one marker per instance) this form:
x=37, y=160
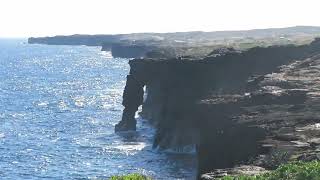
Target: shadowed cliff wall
x=176, y=87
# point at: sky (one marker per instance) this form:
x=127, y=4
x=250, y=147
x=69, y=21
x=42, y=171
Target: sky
x=26, y=18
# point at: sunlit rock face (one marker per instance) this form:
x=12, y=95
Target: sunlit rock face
x=233, y=106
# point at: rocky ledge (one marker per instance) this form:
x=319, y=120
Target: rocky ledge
x=257, y=108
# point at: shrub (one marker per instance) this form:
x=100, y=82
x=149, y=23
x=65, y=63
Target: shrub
x=130, y=177
x=291, y=171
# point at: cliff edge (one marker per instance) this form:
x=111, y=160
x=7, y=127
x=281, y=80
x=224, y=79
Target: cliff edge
x=234, y=106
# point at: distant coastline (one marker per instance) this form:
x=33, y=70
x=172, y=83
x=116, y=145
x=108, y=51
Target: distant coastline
x=196, y=43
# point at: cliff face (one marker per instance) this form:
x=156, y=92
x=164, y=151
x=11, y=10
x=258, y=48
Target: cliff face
x=123, y=50
x=232, y=106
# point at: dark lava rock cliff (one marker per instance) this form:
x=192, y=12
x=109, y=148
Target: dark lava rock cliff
x=236, y=107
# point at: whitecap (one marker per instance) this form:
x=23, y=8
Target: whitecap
x=189, y=149
x=43, y=104
x=2, y=135
x=62, y=105
x=79, y=102
x=131, y=147
x=106, y=54
x=18, y=115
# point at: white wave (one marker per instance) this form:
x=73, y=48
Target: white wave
x=43, y=104
x=18, y=115
x=62, y=105
x=106, y=54
x=190, y=149
x=2, y=135
x=79, y=101
x=132, y=148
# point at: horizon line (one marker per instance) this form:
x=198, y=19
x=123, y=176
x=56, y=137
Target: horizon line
x=154, y=32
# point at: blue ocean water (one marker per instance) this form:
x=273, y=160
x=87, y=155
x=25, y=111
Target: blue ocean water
x=58, y=108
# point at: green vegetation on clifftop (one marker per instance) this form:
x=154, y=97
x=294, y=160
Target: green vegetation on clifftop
x=291, y=171
x=130, y=177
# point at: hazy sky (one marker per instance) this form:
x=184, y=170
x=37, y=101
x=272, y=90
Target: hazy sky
x=24, y=18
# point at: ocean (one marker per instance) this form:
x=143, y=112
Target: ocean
x=58, y=108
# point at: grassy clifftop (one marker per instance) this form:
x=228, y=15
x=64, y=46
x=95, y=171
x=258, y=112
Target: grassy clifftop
x=291, y=171
x=130, y=177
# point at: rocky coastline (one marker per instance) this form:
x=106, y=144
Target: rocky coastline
x=245, y=108
x=238, y=108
